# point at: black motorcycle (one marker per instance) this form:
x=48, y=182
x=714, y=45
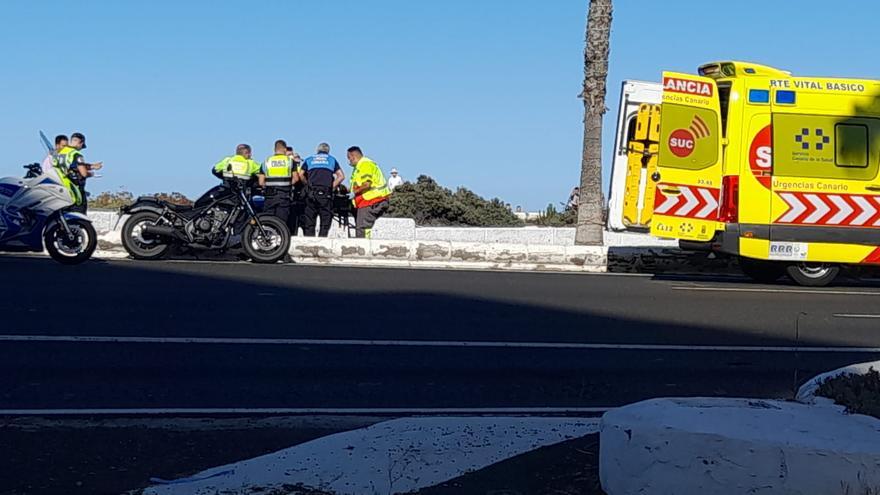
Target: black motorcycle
x=212, y=223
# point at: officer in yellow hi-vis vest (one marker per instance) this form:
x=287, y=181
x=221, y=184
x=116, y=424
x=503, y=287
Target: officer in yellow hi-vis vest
x=370, y=191
x=71, y=157
x=277, y=177
x=239, y=166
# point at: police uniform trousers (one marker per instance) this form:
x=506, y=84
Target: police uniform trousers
x=319, y=203
x=278, y=202
x=83, y=206
x=297, y=209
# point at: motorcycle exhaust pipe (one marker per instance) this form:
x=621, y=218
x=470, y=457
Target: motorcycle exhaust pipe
x=161, y=231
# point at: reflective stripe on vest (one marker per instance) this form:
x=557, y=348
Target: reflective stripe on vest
x=278, y=170
x=241, y=168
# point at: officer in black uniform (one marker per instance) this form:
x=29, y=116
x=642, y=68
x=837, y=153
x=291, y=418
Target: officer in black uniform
x=277, y=177
x=322, y=175
x=297, y=196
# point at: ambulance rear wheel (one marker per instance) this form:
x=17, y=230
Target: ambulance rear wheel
x=765, y=272
x=813, y=274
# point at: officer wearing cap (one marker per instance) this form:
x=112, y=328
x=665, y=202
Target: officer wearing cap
x=322, y=174
x=277, y=178
x=71, y=158
x=238, y=166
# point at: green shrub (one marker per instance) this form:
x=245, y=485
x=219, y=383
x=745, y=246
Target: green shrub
x=428, y=203
x=860, y=394
x=115, y=200
x=551, y=217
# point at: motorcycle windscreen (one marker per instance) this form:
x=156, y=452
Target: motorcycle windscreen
x=689, y=166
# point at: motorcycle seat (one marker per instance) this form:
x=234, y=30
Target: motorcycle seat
x=177, y=208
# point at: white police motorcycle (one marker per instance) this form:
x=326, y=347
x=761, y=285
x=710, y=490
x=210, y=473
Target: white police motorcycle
x=32, y=215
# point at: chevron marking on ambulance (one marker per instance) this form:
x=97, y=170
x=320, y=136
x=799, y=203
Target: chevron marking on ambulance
x=796, y=208
x=692, y=202
x=868, y=211
x=711, y=204
x=844, y=210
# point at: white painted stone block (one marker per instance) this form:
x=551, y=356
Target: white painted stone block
x=724, y=446
x=351, y=248
x=432, y=251
x=103, y=220
x=394, y=229
x=507, y=253
x=563, y=236
x=469, y=251
x=523, y=235
x=311, y=247
x=397, y=456
x=391, y=250
x=450, y=234
x=546, y=254
x=587, y=256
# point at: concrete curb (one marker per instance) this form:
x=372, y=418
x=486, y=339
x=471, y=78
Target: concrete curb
x=427, y=254
x=720, y=446
x=444, y=254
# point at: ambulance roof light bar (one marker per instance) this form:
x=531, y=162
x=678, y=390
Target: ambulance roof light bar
x=719, y=70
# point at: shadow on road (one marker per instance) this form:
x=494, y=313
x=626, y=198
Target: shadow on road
x=123, y=298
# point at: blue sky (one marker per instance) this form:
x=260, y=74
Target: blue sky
x=473, y=93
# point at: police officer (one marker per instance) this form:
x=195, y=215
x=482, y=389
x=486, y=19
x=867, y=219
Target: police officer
x=322, y=174
x=238, y=166
x=71, y=158
x=277, y=178
x=297, y=196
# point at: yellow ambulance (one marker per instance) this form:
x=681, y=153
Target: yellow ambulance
x=779, y=170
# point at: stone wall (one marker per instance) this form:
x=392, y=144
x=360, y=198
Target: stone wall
x=405, y=229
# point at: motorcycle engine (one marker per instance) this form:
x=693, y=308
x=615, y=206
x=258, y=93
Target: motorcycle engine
x=208, y=224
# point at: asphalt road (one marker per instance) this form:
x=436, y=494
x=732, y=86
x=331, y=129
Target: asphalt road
x=345, y=338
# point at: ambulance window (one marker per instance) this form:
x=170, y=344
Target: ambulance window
x=629, y=136
x=631, y=129
x=851, y=148
x=724, y=99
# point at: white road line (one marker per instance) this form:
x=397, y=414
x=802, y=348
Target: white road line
x=380, y=411
x=782, y=291
x=849, y=315
x=426, y=343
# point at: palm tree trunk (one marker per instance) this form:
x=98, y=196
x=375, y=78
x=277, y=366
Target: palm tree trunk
x=590, y=221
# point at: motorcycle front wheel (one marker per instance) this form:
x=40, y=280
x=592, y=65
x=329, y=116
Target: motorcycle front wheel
x=268, y=245
x=73, y=248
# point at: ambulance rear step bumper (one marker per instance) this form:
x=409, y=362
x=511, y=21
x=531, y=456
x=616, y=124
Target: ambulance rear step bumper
x=696, y=246
x=725, y=241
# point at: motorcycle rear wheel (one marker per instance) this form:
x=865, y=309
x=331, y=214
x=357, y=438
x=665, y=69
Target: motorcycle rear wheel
x=133, y=242
x=269, y=248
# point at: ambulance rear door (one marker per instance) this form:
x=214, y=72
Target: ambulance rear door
x=689, y=167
